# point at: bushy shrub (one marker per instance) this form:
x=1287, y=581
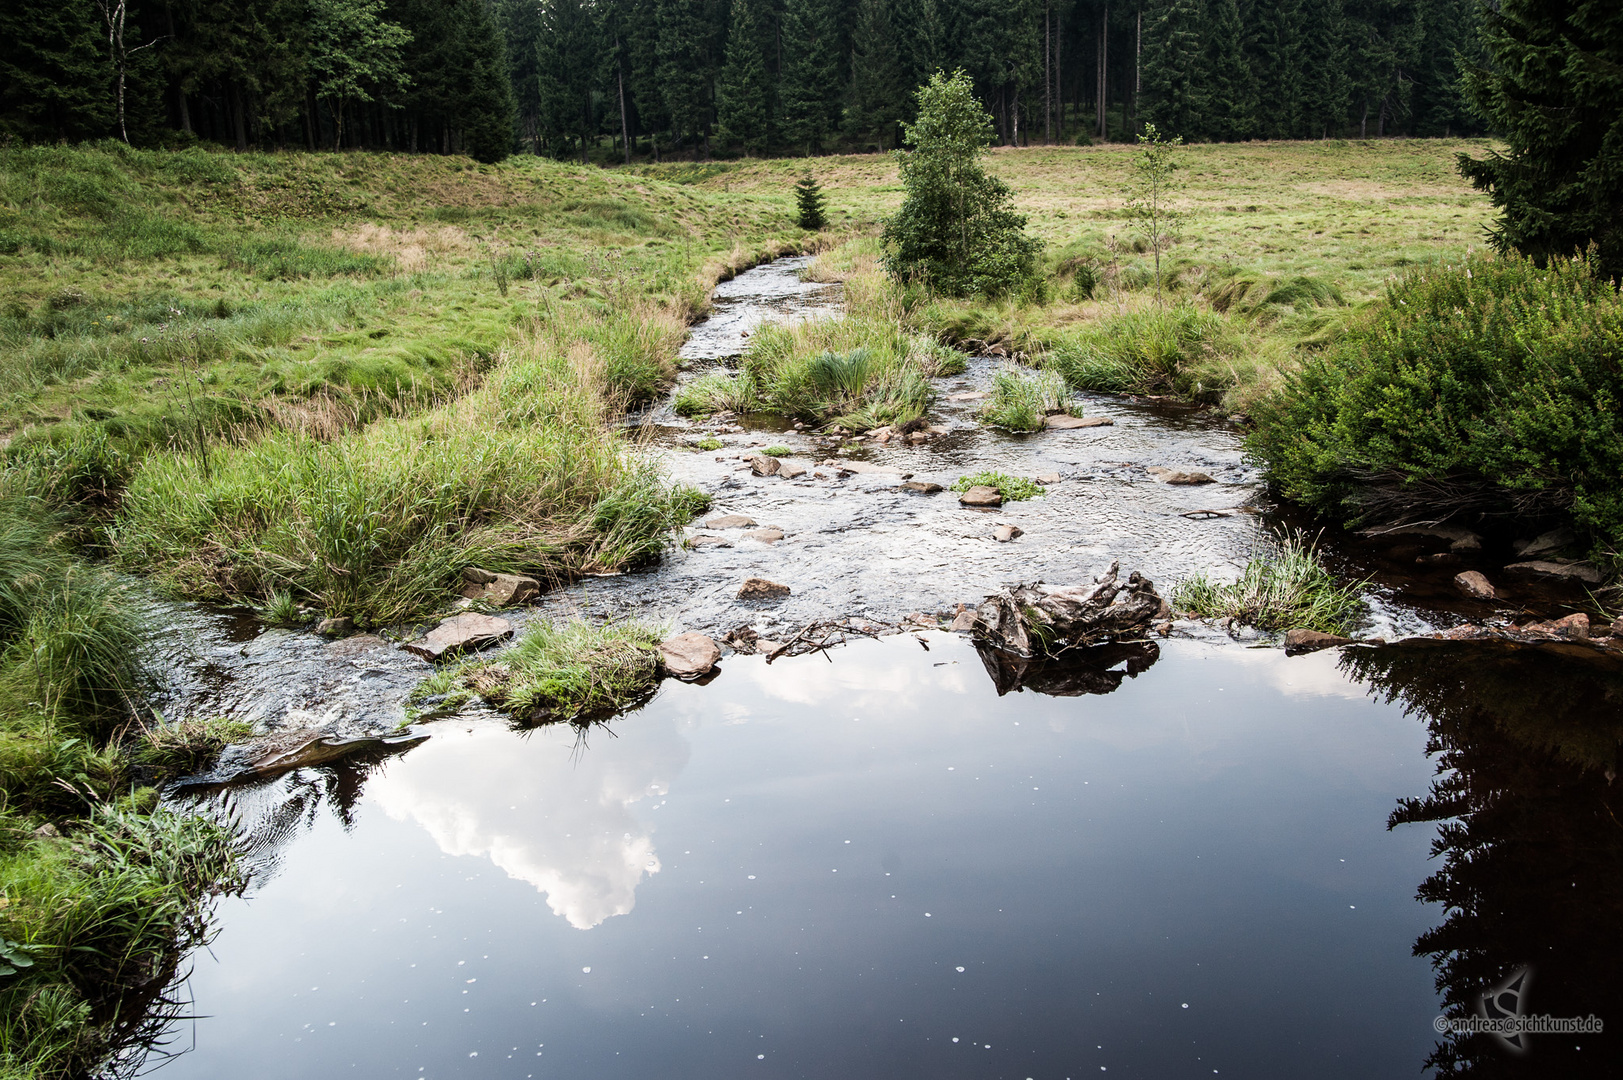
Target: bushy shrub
x=1488, y=388
x=1175, y=349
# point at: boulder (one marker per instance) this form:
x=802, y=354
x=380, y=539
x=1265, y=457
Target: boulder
x=498, y=589
x=761, y=589
x=1004, y=533
x=467, y=631
x=762, y=465
x=1584, y=573
x=1303, y=640
x=1472, y=584
x=1038, y=618
x=766, y=536
x=1064, y=422
x=688, y=656
x=964, y=621
x=923, y=487
x=730, y=521
x=981, y=496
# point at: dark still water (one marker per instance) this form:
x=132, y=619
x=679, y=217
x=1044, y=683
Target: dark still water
x=873, y=867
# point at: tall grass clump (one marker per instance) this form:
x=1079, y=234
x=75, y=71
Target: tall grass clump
x=1484, y=390
x=1012, y=488
x=1175, y=349
x=1281, y=590
x=717, y=391
x=573, y=671
x=522, y=475
x=1021, y=401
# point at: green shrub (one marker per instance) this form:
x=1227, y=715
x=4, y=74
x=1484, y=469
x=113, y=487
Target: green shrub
x=708, y=444
x=1280, y=591
x=1177, y=349
x=1488, y=388
x=1022, y=401
x=1012, y=488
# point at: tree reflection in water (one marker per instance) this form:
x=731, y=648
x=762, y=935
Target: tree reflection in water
x=1074, y=672
x=1526, y=744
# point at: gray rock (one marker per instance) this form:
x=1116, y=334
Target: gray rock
x=1004, y=533
x=498, y=589
x=1572, y=572
x=968, y=395
x=730, y=521
x=1303, y=640
x=1062, y=422
x=1172, y=476
x=761, y=589
x=923, y=487
x=981, y=496
x=689, y=656
x=467, y=631
x=1477, y=587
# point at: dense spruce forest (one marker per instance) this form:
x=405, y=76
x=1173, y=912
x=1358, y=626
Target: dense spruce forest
x=695, y=78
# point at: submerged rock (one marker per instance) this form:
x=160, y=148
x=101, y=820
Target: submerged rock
x=1585, y=573
x=467, y=631
x=766, y=536
x=1303, y=640
x=1477, y=587
x=689, y=656
x=1036, y=618
x=1005, y=533
x=500, y=590
x=1172, y=476
x=981, y=496
x=730, y=521
x=702, y=541
x=761, y=589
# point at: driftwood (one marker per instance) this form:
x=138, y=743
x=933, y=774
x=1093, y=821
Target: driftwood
x=1091, y=669
x=1038, y=619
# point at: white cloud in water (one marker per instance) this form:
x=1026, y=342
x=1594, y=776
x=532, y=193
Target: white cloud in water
x=559, y=819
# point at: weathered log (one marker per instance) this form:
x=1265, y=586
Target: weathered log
x=1038, y=619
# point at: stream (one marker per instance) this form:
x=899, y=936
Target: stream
x=1200, y=859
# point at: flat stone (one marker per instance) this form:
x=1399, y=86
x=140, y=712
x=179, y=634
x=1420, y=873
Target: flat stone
x=1064, y=422
x=1173, y=476
x=1582, y=572
x=761, y=589
x=355, y=646
x=791, y=470
x=981, y=496
x=766, y=536
x=1004, y=533
x=968, y=395
x=762, y=465
x=1049, y=479
x=1453, y=534
x=923, y=487
x=709, y=541
x=1472, y=584
x=689, y=656
x=467, y=631
x=498, y=589
x=1302, y=640
x=730, y=521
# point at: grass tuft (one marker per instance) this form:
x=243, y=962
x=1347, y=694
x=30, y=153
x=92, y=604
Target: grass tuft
x=1278, y=591
x=1021, y=401
x=1012, y=488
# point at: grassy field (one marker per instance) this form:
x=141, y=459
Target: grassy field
x=331, y=382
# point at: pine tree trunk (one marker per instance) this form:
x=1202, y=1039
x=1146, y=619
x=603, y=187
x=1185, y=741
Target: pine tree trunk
x=1104, y=67
x=1048, y=77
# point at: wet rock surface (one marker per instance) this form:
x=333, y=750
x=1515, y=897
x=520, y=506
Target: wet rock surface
x=460, y=633
x=688, y=656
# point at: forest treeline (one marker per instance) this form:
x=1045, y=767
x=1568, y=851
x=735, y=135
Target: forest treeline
x=702, y=77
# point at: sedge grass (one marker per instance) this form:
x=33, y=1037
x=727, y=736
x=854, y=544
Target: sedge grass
x=1012, y=488
x=1281, y=590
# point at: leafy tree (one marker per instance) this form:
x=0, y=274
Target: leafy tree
x=1174, y=72
x=810, y=83
x=1151, y=192
x=809, y=203
x=356, y=53
x=1555, y=95
x=877, y=100
x=744, y=88
x=955, y=228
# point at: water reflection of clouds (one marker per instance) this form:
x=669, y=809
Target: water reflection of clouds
x=559, y=820
x=1315, y=675
x=861, y=680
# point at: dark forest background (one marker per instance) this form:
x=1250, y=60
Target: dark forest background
x=606, y=79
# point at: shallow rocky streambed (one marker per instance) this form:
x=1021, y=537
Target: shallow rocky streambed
x=895, y=858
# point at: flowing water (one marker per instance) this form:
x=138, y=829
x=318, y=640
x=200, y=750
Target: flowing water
x=1174, y=860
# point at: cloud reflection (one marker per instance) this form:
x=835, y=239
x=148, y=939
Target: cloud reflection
x=559, y=819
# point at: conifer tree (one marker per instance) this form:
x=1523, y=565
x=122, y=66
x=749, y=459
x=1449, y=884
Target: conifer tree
x=1276, y=55
x=520, y=23
x=877, y=100
x=1327, y=86
x=483, y=110
x=809, y=203
x=810, y=83
x=1556, y=100
x=684, y=68
x=1174, y=73
x=921, y=43
x=1231, y=86
x=744, y=87
x=565, y=61
x=53, y=75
